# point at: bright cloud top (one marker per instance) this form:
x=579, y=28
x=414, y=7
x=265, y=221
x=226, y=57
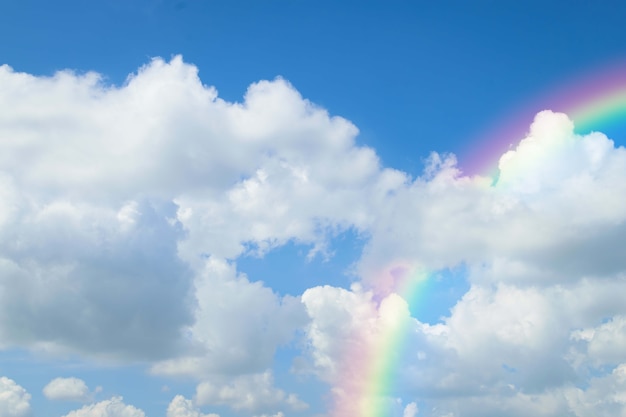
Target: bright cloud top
x=594, y=100
x=66, y=389
x=535, y=242
x=182, y=407
x=14, y=400
x=125, y=210
x=114, y=407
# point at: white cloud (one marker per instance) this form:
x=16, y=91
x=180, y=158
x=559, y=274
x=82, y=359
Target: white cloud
x=341, y=321
x=127, y=207
x=555, y=211
x=67, y=389
x=121, y=193
x=182, y=407
x=349, y=335
x=503, y=349
x=14, y=400
x=546, y=268
x=410, y=410
x=606, y=343
x=238, y=325
x=604, y=397
x=251, y=392
x=114, y=407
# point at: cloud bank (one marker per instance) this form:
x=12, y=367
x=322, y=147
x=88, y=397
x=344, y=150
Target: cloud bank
x=14, y=400
x=125, y=209
x=546, y=267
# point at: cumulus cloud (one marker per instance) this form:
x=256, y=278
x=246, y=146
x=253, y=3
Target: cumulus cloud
x=545, y=267
x=410, y=410
x=251, y=392
x=182, y=407
x=238, y=325
x=66, y=389
x=122, y=193
x=498, y=352
x=125, y=208
x=605, y=343
x=350, y=335
x=14, y=400
x=605, y=395
x=554, y=211
x=339, y=324
x=114, y=407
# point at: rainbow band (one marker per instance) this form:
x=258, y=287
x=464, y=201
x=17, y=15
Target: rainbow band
x=605, y=110
x=384, y=369
x=593, y=102
x=368, y=375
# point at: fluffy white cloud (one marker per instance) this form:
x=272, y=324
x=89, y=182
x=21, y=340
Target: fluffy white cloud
x=124, y=210
x=251, y=392
x=606, y=343
x=121, y=193
x=341, y=321
x=555, y=211
x=545, y=267
x=350, y=335
x=114, y=407
x=410, y=410
x=238, y=325
x=14, y=400
x=68, y=389
x=605, y=396
x=72, y=261
x=182, y=407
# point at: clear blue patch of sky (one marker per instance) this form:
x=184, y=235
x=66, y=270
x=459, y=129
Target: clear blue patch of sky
x=438, y=295
x=309, y=389
x=288, y=270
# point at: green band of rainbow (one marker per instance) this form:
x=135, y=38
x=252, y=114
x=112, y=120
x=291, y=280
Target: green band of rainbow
x=370, y=370
x=594, y=101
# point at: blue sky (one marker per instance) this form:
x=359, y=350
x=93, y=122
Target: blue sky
x=222, y=220
x=379, y=66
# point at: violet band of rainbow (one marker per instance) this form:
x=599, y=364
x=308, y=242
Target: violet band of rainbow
x=593, y=101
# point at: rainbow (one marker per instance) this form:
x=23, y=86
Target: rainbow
x=594, y=102
x=368, y=373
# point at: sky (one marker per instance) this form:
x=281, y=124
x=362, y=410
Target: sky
x=294, y=208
